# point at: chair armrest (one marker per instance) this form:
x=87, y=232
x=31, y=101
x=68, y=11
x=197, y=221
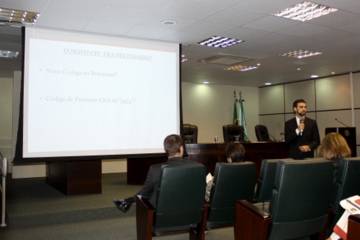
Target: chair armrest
x=199, y=232
x=250, y=222
x=322, y=235
x=353, y=227
x=144, y=218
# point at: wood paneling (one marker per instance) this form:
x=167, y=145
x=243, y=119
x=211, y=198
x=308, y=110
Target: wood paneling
x=209, y=154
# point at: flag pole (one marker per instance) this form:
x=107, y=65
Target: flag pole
x=235, y=112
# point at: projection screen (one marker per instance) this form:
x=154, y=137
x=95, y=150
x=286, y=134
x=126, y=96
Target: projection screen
x=89, y=95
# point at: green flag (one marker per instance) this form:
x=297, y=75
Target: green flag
x=242, y=117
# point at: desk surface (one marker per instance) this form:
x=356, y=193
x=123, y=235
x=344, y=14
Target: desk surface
x=209, y=154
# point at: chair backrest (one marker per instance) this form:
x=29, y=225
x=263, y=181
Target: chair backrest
x=190, y=133
x=262, y=133
x=232, y=181
x=180, y=199
x=233, y=132
x=301, y=197
x=347, y=184
x=266, y=179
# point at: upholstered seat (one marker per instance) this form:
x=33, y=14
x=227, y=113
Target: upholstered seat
x=190, y=133
x=266, y=179
x=299, y=206
x=347, y=184
x=180, y=203
x=232, y=181
x=233, y=132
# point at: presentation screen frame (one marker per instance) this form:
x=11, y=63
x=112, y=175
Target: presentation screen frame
x=78, y=88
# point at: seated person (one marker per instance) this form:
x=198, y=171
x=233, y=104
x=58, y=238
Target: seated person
x=234, y=152
x=334, y=147
x=174, y=149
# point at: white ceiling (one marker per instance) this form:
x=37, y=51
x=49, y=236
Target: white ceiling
x=337, y=35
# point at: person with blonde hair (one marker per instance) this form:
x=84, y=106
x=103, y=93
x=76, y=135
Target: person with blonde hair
x=334, y=147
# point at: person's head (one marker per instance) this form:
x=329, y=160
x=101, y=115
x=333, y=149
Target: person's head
x=234, y=152
x=173, y=145
x=334, y=146
x=299, y=107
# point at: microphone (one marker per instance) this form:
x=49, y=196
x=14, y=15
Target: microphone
x=273, y=139
x=341, y=122
x=301, y=131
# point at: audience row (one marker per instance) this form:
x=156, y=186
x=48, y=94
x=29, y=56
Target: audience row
x=293, y=197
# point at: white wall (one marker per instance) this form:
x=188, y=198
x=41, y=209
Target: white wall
x=211, y=106
x=327, y=99
x=6, y=89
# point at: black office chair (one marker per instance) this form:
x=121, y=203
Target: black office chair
x=232, y=181
x=262, y=133
x=180, y=203
x=190, y=133
x=347, y=184
x=233, y=132
x=299, y=206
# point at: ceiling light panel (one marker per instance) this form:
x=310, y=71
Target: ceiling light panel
x=19, y=16
x=241, y=68
x=225, y=59
x=220, y=42
x=301, y=54
x=8, y=54
x=305, y=11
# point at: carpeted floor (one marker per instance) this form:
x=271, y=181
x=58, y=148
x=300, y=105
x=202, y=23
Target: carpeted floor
x=35, y=210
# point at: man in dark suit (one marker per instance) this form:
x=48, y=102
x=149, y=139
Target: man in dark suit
x=174, y=149
x=301, y=133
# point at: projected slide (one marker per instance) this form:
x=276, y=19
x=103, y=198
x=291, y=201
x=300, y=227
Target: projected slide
x=96, y=95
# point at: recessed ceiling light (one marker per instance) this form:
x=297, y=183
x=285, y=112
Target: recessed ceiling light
x=300, y=54
x=221, y=42
x=298, y=69
x=19, y=16
x=333, y=73
x=206, y=82
x=305, y=11
x=314, y=76
x=268, y=83
x=168, y=22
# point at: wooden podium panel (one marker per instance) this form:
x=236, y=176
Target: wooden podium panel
x=209, y=154
x=75, y=178
x=349, y=133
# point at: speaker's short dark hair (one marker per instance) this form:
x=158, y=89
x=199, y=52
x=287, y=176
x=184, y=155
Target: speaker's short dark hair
x=297, y=101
